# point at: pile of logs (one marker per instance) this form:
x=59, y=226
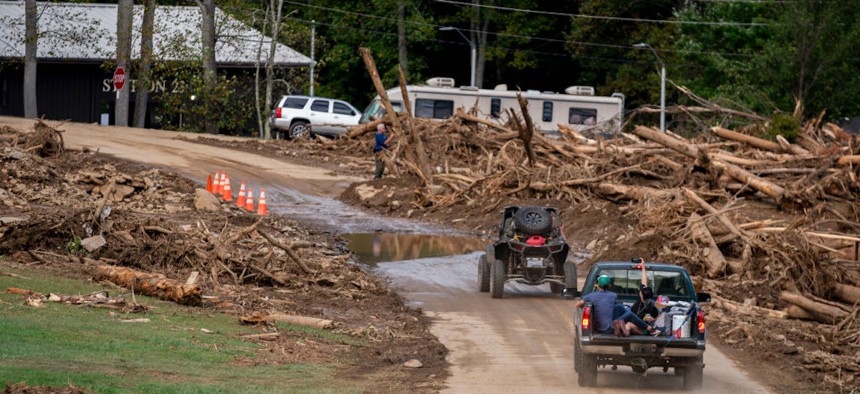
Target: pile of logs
x=763, y=212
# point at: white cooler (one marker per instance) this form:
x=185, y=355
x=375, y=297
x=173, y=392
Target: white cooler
x=681, y=328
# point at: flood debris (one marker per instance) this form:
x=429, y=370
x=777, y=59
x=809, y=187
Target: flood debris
x=150, y=231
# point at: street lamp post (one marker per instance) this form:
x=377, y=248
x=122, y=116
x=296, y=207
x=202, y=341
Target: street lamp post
x=471, y=44
x=662, y=84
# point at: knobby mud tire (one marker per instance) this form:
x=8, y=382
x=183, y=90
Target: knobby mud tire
x=570, y=275
x=483, y=274
x=497, y=280
x=533, y=221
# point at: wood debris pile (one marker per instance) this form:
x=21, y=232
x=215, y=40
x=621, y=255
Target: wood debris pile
x=147, y=229
x=775, y=219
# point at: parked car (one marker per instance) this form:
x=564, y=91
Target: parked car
x=530, y=249
x=300, y=116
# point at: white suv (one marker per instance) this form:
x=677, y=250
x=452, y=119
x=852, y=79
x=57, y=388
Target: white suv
x=304, y=115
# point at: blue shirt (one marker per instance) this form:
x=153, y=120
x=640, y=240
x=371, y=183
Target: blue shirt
x=380, y=142
x=602, y=302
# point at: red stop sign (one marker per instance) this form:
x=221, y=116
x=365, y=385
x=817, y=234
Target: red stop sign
x=119, y=78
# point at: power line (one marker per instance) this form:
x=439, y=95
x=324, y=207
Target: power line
x=553, y=40
x=608, y=18
x=460, y=43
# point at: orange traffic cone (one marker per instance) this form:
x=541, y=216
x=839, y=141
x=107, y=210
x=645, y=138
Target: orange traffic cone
x=226, y=193
x=240, y=201
x=261, y=205
x=209, y=183
x=249, y=201
x=216, y=184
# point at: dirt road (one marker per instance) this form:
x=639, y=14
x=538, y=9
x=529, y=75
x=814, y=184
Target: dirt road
x=519, y=344
x=523, y=343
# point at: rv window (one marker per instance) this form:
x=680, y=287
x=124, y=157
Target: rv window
x=495, y=107
x=295, y=102
x=436, y=109
x=547, y=111
x=343, y=109
x=319, y=106
x=586, y=116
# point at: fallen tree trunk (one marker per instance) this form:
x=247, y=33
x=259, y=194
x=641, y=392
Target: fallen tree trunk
x=153, y=285
x=771, y=189
x=746, y=139
x=634, y=192
x=681, y=147
x=714, y=258
x=847, y=293
x=362, y=129
x=304, y=321
x=749, y=310
x=822, y=313
x=796, y=312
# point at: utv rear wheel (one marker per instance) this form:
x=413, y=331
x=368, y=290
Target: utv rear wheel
x=533, y=220
x=497, y=279
x=483, y=274
x=570, y=274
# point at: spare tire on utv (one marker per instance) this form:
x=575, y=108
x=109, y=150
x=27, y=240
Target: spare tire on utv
x=533, y=221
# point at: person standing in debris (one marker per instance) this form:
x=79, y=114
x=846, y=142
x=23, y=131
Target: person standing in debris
x=382, y=141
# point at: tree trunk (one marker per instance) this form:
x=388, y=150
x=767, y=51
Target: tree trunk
x=479, y=26
x=145, y=69
x=420, y=154
x=528, y=129
x=847, y=293
x=401, y=35
x=275, y=23
x=154, y=285
x=820, y=312
x=31, y=38
x=210, y=68
x=747, y=139
x=123, y=54
x=714, y=258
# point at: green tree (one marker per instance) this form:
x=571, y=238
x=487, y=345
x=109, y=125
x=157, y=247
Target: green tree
x=783, y=52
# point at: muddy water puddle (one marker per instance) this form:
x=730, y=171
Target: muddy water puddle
x=379, y=247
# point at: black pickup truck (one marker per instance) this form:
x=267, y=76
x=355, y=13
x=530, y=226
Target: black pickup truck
x=681, y=348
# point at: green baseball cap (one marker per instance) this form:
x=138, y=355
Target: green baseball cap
x=603, y=281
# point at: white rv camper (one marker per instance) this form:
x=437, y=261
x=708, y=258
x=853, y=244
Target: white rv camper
x=577, y=107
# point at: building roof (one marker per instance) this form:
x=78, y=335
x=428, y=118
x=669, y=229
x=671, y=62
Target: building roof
x=87, y=32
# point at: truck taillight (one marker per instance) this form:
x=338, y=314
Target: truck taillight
x=278, y=112
x=700, y=317
x=586, y=318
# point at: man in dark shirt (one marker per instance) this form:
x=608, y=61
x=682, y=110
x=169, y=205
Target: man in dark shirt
x=381, y=145
x=603, y=302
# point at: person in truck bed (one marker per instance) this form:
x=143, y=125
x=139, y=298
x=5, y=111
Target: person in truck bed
x=609, y=316
x=644, y=306
x=603, y=302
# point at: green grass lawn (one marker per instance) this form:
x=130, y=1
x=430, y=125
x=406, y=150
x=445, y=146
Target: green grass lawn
x=61, y=344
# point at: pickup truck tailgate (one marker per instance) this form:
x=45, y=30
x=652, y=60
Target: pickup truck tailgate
x=642, y=344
